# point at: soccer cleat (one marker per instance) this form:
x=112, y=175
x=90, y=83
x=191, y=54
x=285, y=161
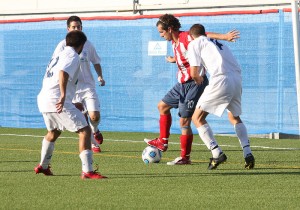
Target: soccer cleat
x=214, y=162
x=39, y=169
x=249, y=161
x=96, y=149
x=98, y=137
x=179, y=161
x=157, y=143
x=92, y=175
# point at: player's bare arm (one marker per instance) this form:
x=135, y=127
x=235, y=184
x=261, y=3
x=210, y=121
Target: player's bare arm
x=195, y=75
x=63, y=81
x=231, y=36
x=98, y=70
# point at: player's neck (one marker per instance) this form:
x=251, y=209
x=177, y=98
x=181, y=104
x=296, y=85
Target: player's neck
x=175, y=37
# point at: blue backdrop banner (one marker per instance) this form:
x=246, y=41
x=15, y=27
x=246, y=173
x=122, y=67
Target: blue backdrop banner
x=136, y=81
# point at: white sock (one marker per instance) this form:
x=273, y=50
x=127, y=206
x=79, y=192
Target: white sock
x=209, y=140
x=86, y=157
x=94, y=126
x=93, y=141
x=241, y=132
x=46, y=153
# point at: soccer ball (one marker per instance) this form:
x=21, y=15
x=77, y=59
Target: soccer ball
x=151, y=155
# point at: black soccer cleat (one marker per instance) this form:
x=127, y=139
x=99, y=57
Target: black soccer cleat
x=249, y=161
x=214, y=162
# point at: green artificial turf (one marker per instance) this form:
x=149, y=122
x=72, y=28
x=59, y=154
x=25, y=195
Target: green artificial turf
x=131, y=184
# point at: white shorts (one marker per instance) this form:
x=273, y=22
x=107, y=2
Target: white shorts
x=223, y=92
x=89, y=99
x=69, y=119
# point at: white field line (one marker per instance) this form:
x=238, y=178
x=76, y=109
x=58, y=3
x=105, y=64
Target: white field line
x=135, y=141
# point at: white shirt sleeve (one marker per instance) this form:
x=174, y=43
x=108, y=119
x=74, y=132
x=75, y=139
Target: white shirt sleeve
x=94, y=57
x=69, y=62
x=60, y=47
x=194, y=53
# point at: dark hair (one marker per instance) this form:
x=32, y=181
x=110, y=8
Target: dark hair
x=167, y=21
x=197, y=30
x=73, y=18
x=75, y=39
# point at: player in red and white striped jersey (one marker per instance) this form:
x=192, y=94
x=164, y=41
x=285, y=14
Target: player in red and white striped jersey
x=185, y=94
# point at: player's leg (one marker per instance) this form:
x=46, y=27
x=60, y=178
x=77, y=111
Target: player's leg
x=234, y=111
x=170, y=100
x=85, y=151
x=207, y=136
x=86, y=155
x=242, y=134
x=190, y=92
x=186, y=140
x=94, y=123
x=48, y=143
x=165, y=121
x=74, y=121
x=92, y=105
x=96, y=135
x=82, y=108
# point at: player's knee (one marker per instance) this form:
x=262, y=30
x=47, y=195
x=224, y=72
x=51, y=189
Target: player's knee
x=234, y=119
x=53, y=135
x=163, y=108
x=86, y=131
x=94, y=116
x=185, y=122
x=199, y=117
x=195, y=118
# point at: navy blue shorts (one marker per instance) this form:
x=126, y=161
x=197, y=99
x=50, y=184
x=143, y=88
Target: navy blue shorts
x=185, y=97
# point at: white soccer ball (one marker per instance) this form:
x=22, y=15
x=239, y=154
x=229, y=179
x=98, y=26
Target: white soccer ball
x=151, y=155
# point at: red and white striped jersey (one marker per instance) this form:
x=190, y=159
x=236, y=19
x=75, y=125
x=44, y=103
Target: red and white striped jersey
x=180, y=53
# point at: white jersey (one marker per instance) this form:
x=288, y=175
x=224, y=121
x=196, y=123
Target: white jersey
x=214, y=56
x=68, y=61
x=225, y=84
x=88, y=54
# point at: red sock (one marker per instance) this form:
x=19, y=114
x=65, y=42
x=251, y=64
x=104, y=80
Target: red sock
x=186, y=146
x=165, y=122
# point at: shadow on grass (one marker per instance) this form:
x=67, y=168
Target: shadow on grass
x=18, y=161
x=16, y=171
x=209, y=173
x=219, y=172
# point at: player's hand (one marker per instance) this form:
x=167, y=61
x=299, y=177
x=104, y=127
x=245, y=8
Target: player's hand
x=170, y=59
x=101, y=81
x=60, y=105
x=231, y=36
x=199, y=80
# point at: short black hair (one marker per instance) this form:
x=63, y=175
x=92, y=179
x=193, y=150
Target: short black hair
x=75, y=38
x=168, y=20
x=197, y=30
x=73, y=18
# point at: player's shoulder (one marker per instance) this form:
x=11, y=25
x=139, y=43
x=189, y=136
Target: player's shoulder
x=62, y=43
x=185, y=38
x=184, y=35
x=200, y=39
x=69, y=54
x=199, y=42
x=203, y=39
x=88, y=44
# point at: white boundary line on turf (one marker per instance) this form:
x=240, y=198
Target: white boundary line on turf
x=135, y=141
